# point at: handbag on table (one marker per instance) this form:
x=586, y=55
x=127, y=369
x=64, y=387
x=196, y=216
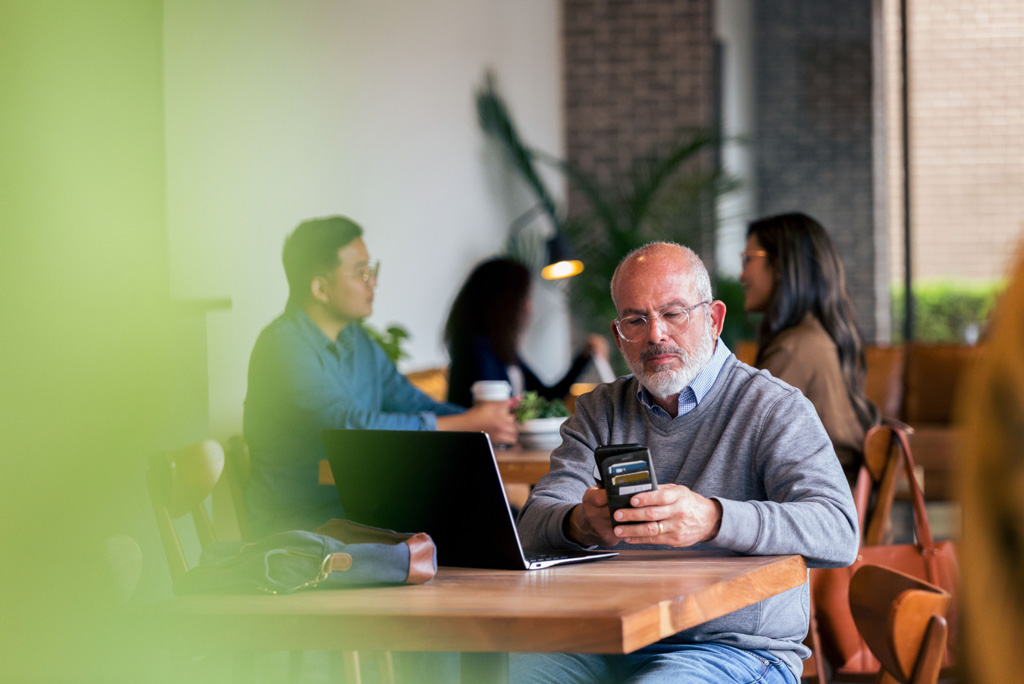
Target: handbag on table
x=931, y=562
x=338, y=554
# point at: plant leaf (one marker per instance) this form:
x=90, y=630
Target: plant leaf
x=497, y=122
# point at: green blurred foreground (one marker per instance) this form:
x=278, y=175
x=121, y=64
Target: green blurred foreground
x=89, y=353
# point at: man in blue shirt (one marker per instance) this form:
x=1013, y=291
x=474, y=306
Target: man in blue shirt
x=314, y=367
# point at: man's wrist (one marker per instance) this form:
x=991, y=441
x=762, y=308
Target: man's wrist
x=717, y=526
x=567, y=525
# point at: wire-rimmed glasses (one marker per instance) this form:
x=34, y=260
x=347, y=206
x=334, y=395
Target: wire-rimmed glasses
x=674, y=320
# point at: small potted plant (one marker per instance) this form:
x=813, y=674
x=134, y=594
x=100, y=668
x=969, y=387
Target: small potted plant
x=539, y=420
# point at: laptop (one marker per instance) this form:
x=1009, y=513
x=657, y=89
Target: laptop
x=446, y=484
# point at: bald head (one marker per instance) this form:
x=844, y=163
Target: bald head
x=658, y=258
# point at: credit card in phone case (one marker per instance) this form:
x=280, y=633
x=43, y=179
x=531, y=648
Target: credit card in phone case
x=636, y=476
x=627, y=467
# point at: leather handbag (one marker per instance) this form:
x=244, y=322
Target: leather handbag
x=338, y=554
x=934, y=563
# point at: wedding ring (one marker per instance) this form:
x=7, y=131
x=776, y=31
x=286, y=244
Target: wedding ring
x=661, y=529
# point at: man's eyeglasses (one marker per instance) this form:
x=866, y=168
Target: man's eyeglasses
x=745, y=257
x=368, y=273
x=674, y=319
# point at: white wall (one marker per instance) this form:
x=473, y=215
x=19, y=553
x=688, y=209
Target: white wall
x=734, y=29
x=278, y=111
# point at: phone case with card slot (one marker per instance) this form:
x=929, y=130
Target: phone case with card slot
x=625, y=470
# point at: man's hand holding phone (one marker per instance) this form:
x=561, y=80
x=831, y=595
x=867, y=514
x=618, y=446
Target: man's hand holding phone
x=631, y=508
x=590, y=524
x=673, y=515
x=622, y=470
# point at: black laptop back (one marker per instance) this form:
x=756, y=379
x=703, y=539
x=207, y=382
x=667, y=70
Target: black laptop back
x=446, y=484
x=443, y=483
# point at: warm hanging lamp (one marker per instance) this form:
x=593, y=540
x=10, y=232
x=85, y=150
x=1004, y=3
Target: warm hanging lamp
x=560, y=261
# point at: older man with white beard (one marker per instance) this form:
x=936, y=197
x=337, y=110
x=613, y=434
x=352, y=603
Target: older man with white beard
x=743, y=463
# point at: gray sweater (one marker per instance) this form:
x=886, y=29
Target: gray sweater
x=757, y=446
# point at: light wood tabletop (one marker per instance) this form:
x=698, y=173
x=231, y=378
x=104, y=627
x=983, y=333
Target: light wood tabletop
x=516, y=465
x=611, y=606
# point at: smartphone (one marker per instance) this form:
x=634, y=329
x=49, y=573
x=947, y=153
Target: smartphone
x=624, y=470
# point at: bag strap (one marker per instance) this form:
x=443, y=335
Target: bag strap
x=934, y=570
x=921, y=524
x=861, y=497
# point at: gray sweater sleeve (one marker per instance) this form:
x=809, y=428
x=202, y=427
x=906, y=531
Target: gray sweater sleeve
x=808, y=508
x=562, y=488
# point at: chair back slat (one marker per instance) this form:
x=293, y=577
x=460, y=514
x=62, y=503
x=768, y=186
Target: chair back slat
x=179, y=483
x=883, y=382
x=882, y=459
x=932, y=380
x=230, y=515
x=902, y=621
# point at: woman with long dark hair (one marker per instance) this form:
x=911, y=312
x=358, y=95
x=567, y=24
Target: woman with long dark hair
x=808, y=335
x=486, y=322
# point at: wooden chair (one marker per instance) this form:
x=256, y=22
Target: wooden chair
x=883, y=383
x=230, y=515
x=874, y=494
x=932, y=383
x=879, y=481
x=903, y=622
x=931, y=380
x=179, y=483
x=746, y=351
x=433, y=382
x=577, y=390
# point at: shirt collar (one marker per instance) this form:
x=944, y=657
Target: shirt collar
x=312, y=332
x=694, y=393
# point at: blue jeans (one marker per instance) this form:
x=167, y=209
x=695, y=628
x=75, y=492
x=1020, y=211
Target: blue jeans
x=656, y=664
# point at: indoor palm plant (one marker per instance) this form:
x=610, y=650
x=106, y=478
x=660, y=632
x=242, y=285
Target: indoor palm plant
x=667, y=195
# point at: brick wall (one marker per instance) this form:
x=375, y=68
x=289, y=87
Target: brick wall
x=814, y=126
x=637, y=73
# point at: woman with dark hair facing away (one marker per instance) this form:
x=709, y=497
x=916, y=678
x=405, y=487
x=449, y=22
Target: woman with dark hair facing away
x=486, y=322
x=808, y=335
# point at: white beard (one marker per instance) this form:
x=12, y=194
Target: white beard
x=671, y=381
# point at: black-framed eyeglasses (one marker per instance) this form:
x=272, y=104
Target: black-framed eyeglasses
x=674, y=319
x=746, y=256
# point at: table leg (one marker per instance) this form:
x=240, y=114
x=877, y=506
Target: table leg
x=484, y=668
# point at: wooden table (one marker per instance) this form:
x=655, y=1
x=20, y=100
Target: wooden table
x=516, y=465
x=611, y=606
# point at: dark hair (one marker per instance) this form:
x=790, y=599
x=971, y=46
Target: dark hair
x=810, y=279
x=312, y=250
x=490, y=304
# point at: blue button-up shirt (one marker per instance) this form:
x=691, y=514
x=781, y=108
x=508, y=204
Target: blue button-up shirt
x=695, y=392
x=300, y=382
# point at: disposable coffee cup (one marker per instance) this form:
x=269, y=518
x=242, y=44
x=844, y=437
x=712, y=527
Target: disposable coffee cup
x=491, y=390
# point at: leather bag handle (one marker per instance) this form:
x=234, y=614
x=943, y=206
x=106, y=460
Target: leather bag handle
x=921, y=524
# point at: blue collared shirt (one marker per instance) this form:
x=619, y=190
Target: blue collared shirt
x=695, y=392
x=300, y=382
